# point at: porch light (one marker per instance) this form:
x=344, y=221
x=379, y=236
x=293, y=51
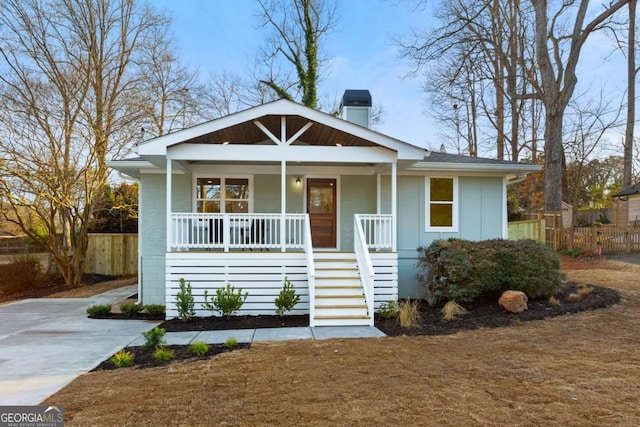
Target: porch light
x=298, y=181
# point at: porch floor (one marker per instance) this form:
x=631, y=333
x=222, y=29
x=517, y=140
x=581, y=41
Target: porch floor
x=268, y=334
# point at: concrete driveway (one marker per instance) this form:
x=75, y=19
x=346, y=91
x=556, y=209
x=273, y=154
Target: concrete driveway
x=45, y=343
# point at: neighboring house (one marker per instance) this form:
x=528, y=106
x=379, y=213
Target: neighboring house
x=626, y=207
x=282, y=190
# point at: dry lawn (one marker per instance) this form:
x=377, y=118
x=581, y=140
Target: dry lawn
x=576, y=370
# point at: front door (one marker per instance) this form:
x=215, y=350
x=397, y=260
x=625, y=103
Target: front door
x=321, y=206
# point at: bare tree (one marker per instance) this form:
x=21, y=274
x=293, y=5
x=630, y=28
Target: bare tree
x=67, y=80
x=558, y=77
x=482, y=47
x=587, y=124
x=168, y=92
x=632, y=71
x=298, y=27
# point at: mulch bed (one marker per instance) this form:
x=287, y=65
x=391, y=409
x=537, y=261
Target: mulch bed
x=138, y=316
x=143, y=358
x=216, y=323
x=488, y=314
x=485, y=313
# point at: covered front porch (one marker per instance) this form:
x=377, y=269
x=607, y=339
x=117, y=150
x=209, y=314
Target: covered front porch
x=273, y=192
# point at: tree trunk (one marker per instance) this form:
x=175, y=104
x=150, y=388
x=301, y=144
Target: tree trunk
x=553, y=161
x=631, y=99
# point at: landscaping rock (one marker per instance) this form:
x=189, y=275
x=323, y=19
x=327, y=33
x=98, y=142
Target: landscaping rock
x=513, y=301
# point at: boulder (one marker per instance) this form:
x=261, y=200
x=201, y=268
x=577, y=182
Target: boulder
x=513, y=301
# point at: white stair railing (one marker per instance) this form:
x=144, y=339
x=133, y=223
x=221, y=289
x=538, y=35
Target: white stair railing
x=311, y=270
x=365, y=266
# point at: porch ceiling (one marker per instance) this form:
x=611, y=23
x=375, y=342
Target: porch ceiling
x=248, y=133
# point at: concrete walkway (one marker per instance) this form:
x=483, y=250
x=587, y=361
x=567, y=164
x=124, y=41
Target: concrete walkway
x=46, y=343
x=268, y=334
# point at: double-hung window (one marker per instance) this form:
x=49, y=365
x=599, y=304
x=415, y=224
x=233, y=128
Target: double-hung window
x=442, y=204
x=222, y=195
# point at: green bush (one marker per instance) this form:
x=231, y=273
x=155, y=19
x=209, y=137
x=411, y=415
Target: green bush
x=154, y=338
x=163, y=354
x=199, y=348
x=226, y=301
x=122, y=359
x=184, y=301
x=99, y=310
x=464, y=271
x=287, y=299
x=389, y=309
x=456, y=270
x=130, y=309
x=155, y=309
x=231, y=342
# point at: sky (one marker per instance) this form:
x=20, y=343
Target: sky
x=217, y=35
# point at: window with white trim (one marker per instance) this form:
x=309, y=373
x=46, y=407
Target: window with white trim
x=222, y=195
x=442, y=204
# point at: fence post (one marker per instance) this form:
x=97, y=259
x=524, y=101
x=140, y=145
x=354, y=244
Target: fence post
x=594, y=240
x=569, y=238
x=627, y=239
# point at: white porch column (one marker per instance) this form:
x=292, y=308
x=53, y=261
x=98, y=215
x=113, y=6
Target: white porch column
x=283, y=204
x=169, y=221
x=378, y=195
x=394, y=205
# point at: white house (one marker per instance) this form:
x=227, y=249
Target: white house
x=283, y=190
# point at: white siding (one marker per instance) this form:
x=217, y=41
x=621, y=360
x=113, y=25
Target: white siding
x=261, y=274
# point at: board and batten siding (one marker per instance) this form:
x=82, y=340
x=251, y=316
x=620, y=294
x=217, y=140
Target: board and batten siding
x=261, y=275
x=481, y=216
x=357, y=196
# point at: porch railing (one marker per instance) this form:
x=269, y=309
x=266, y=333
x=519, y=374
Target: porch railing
x=311, y=270
x=365, y=266
x=237, y=231
x=377, y=230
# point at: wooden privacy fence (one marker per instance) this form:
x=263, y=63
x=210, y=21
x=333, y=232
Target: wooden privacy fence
x=603, y=240
x=112, y=254
x=530, y=229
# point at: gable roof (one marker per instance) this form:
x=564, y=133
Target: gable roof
x=240, y=128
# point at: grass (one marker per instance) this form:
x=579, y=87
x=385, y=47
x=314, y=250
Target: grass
x=452, y=309
x=571, y=370
x=409, y=313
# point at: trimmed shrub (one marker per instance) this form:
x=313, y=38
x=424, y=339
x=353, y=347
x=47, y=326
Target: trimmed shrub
x=184, y=301
x=287, y=299
x=154, y=338
x=199, y=348
x=464, y=271
x=99, y=310
x=456, y=270
x=227, y=301
x=231, y=342
x=130, y=309
x=527, y=266
x=163, y=354
x=122, y=359
x=155, y=309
